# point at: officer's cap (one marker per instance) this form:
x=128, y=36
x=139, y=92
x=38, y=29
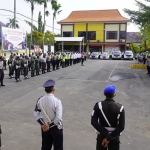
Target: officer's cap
x=49, y=83
x=110, y=89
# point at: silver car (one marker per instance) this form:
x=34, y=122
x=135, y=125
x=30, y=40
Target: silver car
x=105, y=55
x=94, y=55
x=116, y=55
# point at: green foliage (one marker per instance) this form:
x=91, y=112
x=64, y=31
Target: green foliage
x=57, y=35
x=134, y=47
x=40, y=23
x=37, y=38
x=140, y=17
x=11, y=23
x=48, y=38
x=29, y=23
x=56, y=8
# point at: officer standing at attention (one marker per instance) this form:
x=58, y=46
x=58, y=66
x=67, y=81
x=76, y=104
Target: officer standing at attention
x=1, y=71
x=108, y=118
x=48, y=113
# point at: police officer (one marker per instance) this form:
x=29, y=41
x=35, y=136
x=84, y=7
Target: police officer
x=25, y=67
x=33, y=66
x=37, y=66
x=1, y=71
x=108, y=118
x=48, y=62
x=82, y=59
x=17, y=65
x=4, y=61
x=48, y=113
x=11, y=66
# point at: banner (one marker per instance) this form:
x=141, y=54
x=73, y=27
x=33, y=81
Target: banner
x=13, y=39
x=36, y=48
x=45, y=49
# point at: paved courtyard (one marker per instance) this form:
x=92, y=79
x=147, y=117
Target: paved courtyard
x=78, y=87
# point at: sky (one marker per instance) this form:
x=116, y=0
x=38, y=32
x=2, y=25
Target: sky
x=67, y=7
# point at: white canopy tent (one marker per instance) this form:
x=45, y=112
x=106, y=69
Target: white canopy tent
x=70, y=39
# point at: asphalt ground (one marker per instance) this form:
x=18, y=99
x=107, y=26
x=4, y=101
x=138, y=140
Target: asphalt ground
x=79, y=88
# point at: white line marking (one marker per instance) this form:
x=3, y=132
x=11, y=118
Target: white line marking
x=112, y=72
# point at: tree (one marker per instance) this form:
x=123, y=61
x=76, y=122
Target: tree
x=32, y=2
x=40, y=24
x=45, y=13
x=57, y=35
x=49, y=38
x=37, y=37
x=141, y=18
x=56, y=10
x=12, y=23
x=135, y=48
x=30, y=24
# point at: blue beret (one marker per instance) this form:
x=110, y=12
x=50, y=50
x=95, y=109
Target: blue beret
x=111, y=89
x=49, y=83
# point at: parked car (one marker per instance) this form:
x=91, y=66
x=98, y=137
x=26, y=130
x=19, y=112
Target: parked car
x=105, y=55
x=94, y=55
x=116, y=55
x=128, y=54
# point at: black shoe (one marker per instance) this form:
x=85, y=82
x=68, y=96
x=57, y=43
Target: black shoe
x=2, y=85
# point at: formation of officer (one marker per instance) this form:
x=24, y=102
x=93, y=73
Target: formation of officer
x=38, y=62
x=48, y=113
x=108, y=118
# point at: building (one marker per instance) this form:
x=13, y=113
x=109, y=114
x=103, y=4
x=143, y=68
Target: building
x=103, y=30
x=133, y=37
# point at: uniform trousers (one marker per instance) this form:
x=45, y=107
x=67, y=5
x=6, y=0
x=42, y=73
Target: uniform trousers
x=113, y=145
x=25, y=69
x=48, y=66
x=29, y=62
x=1, y=76
x=57, y=64
x=17, y=73
x=70, y=61
x=148, y=69
x=54, y=64
x=82, y=60
x=53, y=137
x=4, y=64
x=11, y=70
x=43, y=67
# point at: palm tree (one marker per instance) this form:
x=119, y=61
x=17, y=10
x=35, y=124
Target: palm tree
x=45, y=13
x=56, y=10
x=12, y=24
x=32, y=2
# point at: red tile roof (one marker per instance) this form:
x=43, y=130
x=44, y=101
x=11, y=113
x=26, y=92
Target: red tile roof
x=112, y=15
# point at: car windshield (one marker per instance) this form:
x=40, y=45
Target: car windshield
x=117, y=52
x=128, y=52
x=95, y=53
x=105, y=53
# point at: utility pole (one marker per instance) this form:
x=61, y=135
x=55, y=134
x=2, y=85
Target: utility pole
x=14, y=14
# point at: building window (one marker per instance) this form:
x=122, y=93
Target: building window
x=91, y=35
x=67, y=34
x=82, y=34
x=111, y=35
x=122, y=34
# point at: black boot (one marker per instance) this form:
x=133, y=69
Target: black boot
x=2, y=83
